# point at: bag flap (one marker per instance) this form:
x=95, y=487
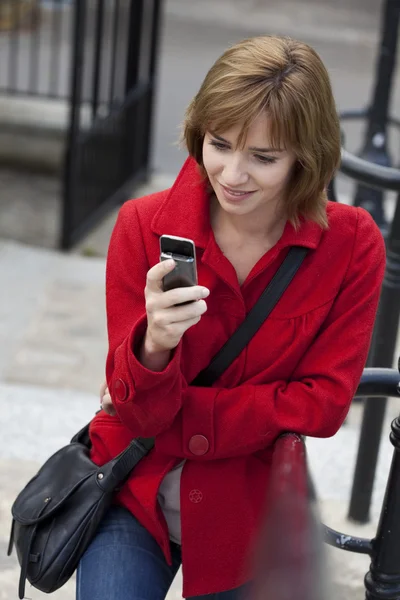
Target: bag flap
x=57, y=479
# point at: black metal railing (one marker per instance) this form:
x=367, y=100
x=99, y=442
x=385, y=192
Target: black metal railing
x=382, y=352
x=375, y=149
x=35, y=51
x=99, y=58
x=111, y=108
x=382, y=581
x=290, y=558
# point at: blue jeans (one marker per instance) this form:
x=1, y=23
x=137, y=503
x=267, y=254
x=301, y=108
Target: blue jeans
x=124, y=562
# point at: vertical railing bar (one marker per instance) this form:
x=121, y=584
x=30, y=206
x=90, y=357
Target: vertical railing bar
x=114, y=53
x=34, y=47
x=14, y=46
x=55, y=46
x=71, y=183
x=135, y=123
x=6, y=61
x=155, y=37
x=134, y=44
x=65, y=53
x=97, y=57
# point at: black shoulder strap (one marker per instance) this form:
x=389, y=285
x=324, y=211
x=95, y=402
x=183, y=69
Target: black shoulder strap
x=256, y=317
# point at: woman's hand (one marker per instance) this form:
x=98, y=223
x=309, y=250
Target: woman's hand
x=105, y=400
x=166, y=322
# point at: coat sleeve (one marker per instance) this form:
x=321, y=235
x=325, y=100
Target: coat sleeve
x=146, y=402
x=315, y=401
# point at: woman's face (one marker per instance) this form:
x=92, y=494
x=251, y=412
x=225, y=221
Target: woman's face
x=252, y=180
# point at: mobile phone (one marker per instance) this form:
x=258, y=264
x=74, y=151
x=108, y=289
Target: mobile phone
x=183, y=251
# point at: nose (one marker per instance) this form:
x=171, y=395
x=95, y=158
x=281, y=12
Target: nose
x=235, y=173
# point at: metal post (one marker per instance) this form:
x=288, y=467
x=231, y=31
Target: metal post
x=375, y=148
x=382, y=582
x=152, y=75
x=382, y=355
x=134, y=44
x=71, y=158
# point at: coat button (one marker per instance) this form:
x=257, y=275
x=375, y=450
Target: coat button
x=199, y=445
x=120, y=390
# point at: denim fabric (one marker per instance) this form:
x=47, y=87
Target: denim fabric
x=124, y=562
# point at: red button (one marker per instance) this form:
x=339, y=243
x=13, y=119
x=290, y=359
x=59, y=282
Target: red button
x=199, y=445
x=120, y=390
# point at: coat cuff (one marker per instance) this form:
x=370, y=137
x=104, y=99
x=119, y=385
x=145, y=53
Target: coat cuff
x=146, y=401
x=144, y=378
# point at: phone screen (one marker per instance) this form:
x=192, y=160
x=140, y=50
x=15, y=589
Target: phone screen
x=182, y=250
x=174, y=245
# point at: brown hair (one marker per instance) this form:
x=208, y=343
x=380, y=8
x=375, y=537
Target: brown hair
x=286, y=79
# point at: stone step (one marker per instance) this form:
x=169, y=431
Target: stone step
x=33, y=132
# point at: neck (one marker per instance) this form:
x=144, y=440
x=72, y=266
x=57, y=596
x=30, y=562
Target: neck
x=269, y=226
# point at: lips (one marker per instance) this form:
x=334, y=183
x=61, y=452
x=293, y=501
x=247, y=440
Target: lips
x=235, y=195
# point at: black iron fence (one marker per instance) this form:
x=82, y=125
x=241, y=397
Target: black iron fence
x=35, y=48
x=382, y=582
x=98, y=57
x=374, y=175
x=290, y=556
x=108, y=148
x=375, y=148
x=382, y=352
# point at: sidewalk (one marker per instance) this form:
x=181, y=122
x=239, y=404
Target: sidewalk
x=326, y=21
x=52, y=352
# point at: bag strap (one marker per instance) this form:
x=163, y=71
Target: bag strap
x=139, y=447
x=255, y=318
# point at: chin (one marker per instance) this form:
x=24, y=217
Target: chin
x=240, y=208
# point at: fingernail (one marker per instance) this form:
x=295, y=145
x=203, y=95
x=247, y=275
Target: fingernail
x=205, y=292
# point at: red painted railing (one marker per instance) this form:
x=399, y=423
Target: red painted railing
x=290, y=549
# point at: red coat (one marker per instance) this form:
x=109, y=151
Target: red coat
x=299, y=373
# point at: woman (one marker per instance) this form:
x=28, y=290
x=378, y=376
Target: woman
x=263, y=139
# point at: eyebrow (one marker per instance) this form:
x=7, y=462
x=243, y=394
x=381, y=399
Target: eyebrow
x=252, y=148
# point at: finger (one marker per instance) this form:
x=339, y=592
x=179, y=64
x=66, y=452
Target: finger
x=107, y=405
x=103, y=388
x=183, y=294
x=188, y=312
x=156, y=274
x=110, y=410
x=185, y=325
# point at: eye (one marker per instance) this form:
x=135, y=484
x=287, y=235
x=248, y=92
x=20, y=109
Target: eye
x=265, y=160
x=219, y=145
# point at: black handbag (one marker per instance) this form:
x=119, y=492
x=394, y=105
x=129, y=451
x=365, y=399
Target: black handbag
x=57, y=513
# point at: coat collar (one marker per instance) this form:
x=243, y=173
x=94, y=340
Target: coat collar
x=185, y=213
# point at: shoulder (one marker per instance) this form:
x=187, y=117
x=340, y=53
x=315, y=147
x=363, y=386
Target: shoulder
x=352, y=224
x=355, y=236
x=144, y=208
x=343, y=218
x=133, y=222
